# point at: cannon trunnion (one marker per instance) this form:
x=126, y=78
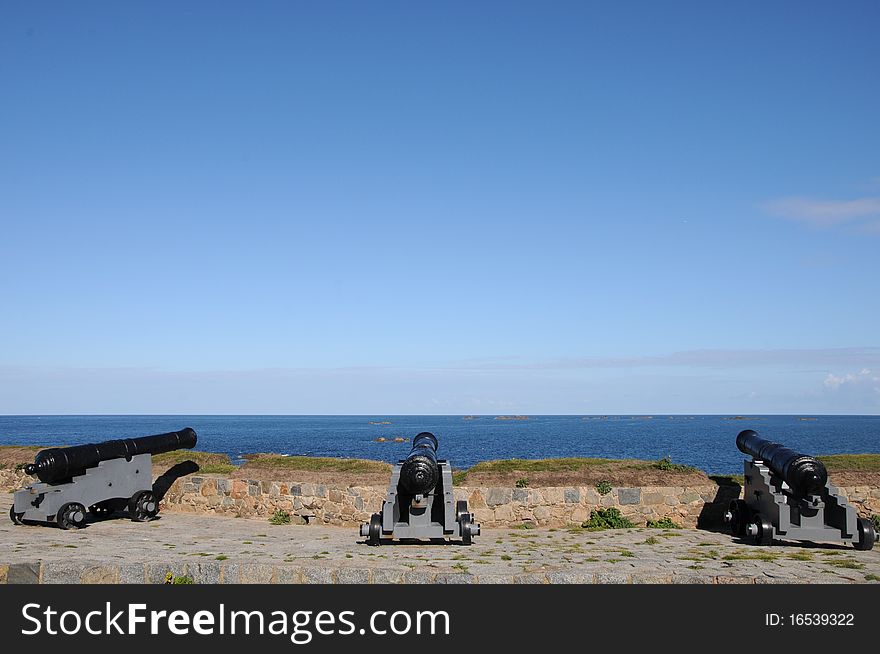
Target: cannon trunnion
x=420, y=503
x=787, y=496
x=96, y=479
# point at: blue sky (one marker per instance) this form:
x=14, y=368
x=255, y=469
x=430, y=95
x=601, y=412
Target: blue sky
x=400, y=207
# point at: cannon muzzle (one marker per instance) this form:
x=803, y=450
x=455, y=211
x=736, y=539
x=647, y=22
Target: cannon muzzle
x=805, y=475
x=420, y=472
x=62, y=463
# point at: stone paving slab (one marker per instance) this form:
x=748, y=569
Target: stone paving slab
x=213, y=549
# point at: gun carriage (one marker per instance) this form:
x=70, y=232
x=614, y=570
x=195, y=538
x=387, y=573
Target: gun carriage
x=420, y=503
x=787, y=495
x=96, y=479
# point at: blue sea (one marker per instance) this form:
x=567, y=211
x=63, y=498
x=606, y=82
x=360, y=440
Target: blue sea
x=707, y=442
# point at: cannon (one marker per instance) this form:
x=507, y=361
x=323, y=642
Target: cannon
x=420, y=503
x=787, y=495
x=98, y=479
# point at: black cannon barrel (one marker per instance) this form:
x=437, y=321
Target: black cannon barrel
x=804, y=474
x=62, y=463
x=420, y=472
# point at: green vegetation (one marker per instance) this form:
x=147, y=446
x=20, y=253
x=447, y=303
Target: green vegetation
x=208, y=462
x=524, y=525
x=650, y=540
x=767, y=557
x=220, y=557
x=315, y=464
x=849, y=564
x=182, y=580
x=610, y=518
x=800, y=556
x=522, y=483
x=603, y=487
x=459, y=477
x=280, y=517
x=871, y=577
x=573, y=464
x=876, y=520
x=666, y=465
x=663, y=523
x=851, y=462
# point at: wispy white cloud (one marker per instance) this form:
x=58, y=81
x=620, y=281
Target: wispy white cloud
x=826, y=213
x=865, y=375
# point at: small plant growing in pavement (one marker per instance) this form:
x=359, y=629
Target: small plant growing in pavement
x=603, y=487
x=280, y=517
x=522, y=483
x=610, y=518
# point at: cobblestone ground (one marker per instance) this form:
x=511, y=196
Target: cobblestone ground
x=231, y=550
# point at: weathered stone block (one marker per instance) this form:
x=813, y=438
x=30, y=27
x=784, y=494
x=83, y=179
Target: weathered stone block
x=353, y=576
x=504, y=513
x=690, y=497
x=572, y=495
x=62, y=572
x=629, y=495
x=257, y=573
x=317, y=576
x=579, y=514
x=417, y=577
x=100, y=574
x=653, y=498
x=385, y=576
x=23, y=573
x=230, y=573
x=204, y=573
x=542, y=513
x=288, y=574
x=476, y=500
x=484, y=515
x=498, y=496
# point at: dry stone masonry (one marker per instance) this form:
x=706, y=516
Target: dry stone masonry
x=311, y=503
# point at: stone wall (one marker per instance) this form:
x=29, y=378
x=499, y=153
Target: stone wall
x=310, y=503
x=12, y=479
